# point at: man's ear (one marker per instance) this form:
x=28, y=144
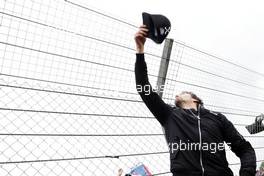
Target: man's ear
x=195, y=101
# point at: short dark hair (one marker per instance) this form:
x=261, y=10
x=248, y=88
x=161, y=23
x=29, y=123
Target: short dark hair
x=194, y=96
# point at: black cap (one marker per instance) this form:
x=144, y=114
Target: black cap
x=158, y=25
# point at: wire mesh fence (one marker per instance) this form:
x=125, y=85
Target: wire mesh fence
x=69, y=104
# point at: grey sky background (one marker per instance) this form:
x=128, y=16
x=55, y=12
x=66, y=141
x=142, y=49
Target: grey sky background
x=232, y=30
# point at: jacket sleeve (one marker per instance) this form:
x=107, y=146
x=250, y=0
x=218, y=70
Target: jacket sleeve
x=155, y=104
x=240, y=147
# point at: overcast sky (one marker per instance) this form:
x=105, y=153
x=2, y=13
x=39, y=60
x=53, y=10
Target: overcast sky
x=232, y=30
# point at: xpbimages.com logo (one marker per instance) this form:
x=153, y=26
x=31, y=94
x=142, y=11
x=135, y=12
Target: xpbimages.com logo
x=147, y=89
x=183, y=146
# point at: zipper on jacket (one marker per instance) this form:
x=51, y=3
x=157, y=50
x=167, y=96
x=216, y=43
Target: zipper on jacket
x=200, y=137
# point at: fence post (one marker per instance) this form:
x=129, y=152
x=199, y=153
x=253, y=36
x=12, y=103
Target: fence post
x=164, y=64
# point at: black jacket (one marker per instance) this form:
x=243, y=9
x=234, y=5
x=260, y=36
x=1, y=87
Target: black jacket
x=184, y=126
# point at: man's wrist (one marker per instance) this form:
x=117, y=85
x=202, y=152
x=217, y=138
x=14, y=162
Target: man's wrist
x=140, y=50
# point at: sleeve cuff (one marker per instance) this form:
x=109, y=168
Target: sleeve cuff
x=140, y=57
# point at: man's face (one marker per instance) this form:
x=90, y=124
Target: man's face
x=183, y=97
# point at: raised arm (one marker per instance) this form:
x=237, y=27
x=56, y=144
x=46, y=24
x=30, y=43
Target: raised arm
x=152, y=100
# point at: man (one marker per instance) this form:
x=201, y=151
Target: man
x=194, y=134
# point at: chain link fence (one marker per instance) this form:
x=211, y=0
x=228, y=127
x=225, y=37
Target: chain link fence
x=69, y=104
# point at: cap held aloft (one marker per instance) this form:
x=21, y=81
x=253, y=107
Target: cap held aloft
x=159, y=26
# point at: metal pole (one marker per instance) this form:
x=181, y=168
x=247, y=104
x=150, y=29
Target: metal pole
x=164, y=63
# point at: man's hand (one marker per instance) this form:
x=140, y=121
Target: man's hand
x=120, y=171
x=140, y=38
